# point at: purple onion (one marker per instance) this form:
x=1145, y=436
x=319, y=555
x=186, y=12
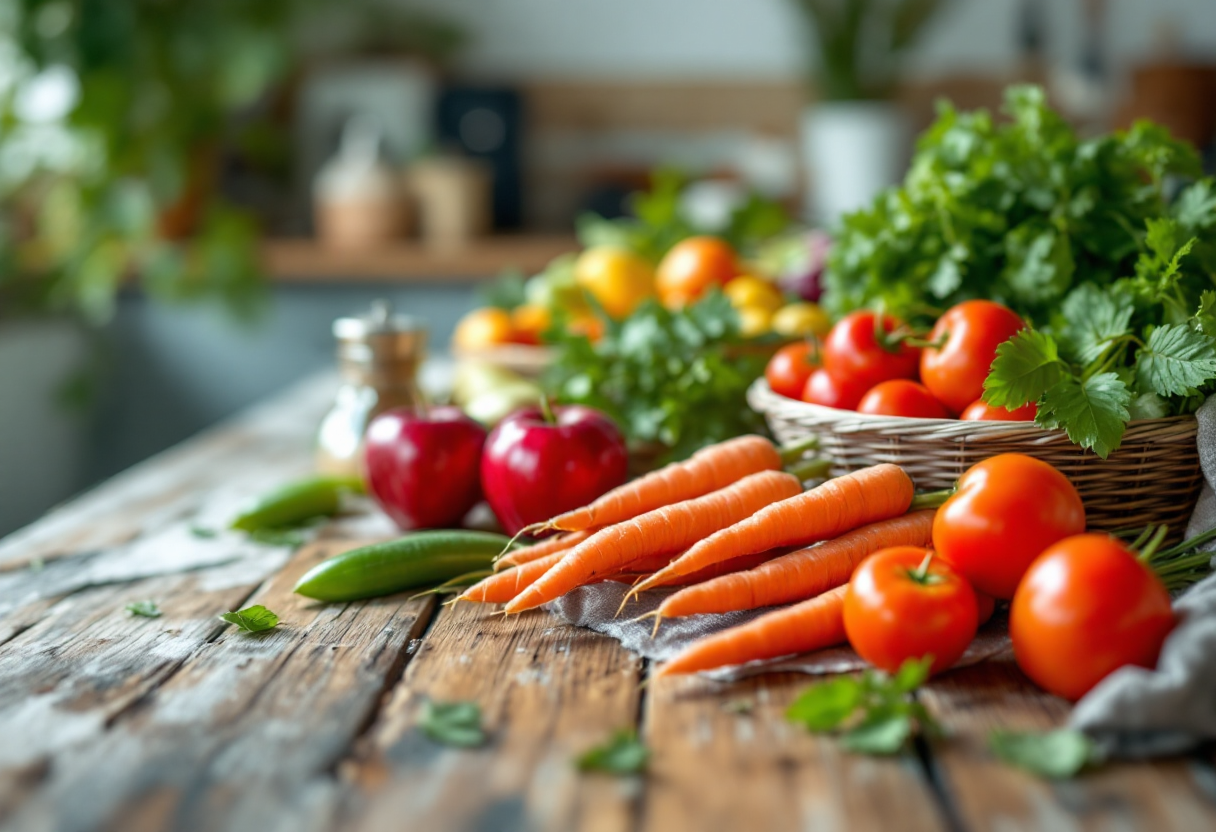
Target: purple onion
x=803, y=277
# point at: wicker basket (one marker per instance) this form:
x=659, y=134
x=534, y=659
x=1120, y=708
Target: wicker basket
x=1154, y=477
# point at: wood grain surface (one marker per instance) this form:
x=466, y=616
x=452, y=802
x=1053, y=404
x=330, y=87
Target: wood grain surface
x=110, y=721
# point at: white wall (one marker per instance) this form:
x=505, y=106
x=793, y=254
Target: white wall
x=763, y=39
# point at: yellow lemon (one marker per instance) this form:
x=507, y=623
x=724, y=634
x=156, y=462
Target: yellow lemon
x=753, y=320
x=752, y=291
x=616, y=277
x=798, y=320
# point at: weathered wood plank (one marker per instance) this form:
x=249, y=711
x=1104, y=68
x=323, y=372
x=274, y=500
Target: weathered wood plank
x=248, y=729
x=989, y=795
x=547, y=692
x=718, y=770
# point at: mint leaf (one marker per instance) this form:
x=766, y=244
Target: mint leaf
x=826, y=705
x=453, y=723
x=1090, y=318
x=1055, y=754
x=882, y=736
x=622, y=754
x=1093, y=412
x=1025, y=367
x=255, y=619
x=1176, y=359
x=144, y=609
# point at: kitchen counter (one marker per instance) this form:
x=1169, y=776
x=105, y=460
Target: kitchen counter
x=109, y=721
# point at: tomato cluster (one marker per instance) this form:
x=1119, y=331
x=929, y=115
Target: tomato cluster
x=1082, y=605
x=875, y=364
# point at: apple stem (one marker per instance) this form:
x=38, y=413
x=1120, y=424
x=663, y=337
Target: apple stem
x=547, y=410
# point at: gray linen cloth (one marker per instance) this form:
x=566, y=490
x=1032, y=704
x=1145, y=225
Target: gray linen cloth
x=1142, y=713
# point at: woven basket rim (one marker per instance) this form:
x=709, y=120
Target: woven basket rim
x=763, y=400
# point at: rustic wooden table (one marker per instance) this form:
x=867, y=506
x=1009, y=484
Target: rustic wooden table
x=115, y=722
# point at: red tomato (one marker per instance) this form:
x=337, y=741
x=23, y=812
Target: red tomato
x=893, y=611
x=1007, y=510
x=985, y=606
x=972, y=330
x=980, y=411
x=825, y=389
x=790, y=367
x=900, y=397
x=851, y=351
x=1086, y=607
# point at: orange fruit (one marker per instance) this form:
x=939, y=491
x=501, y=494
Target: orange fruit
x=588, y=325
x=483, y=328
x=528, y=322
x=616, y=277
x=691, y=267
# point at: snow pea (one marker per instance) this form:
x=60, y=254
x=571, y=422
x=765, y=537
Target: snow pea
x=418, y=559
x=297, y=503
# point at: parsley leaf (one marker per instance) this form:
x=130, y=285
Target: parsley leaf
x=453, y=723
x=253, y=619
x=622, y=754
x=1090, y=319
x=1093, y=412
x=1025, y=367
x=144, y=609
x=1176, y=359
x=875, y=711
x=1055, y=754
x=1205, y=318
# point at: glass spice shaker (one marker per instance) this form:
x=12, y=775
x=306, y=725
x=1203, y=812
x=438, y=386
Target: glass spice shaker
x=378, y=358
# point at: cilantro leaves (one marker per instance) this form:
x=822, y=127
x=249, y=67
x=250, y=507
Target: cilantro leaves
x=875, y=710
x=1026, y=366
x=143, y=609
x=255, y=619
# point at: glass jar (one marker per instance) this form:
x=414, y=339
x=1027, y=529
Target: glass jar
x=378, y=358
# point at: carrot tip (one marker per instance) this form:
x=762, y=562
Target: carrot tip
x=658, y=619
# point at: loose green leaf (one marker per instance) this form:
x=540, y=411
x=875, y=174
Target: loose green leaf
x=1026, y=366
x=144, y=609
x=255, y=619
x=912, y=674
x=453, y=723
x=622, y=754
x=1056, y=754
x=203, y=532
x=881, y=736
x=1094, y=412
x=826, y=705
x=1176, y=359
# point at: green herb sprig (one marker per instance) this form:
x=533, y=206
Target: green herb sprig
x=453, y=723
x=1056, y=755
x=874, y=711
x=255, y=619
x=143, y=609
x=623, y=754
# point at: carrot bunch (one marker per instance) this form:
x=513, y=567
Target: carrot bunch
x=722, y=524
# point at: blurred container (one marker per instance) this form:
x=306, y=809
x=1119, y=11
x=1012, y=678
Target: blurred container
x=852, y=150
x=486, y=123
x=453, y=198
x=1181, y=96
x=378, y=358
x=358, y=199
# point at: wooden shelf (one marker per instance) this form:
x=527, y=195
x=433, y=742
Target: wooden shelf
x=307, y=261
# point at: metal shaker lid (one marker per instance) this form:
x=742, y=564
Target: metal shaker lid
x=381, y=333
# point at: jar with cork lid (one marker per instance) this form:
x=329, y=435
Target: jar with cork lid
x=378, y=358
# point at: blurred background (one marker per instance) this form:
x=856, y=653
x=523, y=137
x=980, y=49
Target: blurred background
x=190, y=193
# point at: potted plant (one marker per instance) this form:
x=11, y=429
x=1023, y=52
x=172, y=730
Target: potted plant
x=854, y=137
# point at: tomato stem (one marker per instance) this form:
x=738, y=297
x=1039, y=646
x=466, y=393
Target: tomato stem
x=922, y=571
x=930, y=499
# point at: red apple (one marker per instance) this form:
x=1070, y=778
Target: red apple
x=424, y=469
x=537, y=464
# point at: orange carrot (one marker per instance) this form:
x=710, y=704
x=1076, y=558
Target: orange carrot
x=665, y=530
x=810, y=625
x=708, y=470
x=826, y=511
x=546, y=547
x=801, y=574
x=716, y=570
x=501, y=587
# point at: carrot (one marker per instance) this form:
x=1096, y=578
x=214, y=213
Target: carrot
x=501, y=587
x=664, y=530
x=810, y=625
x=716, y=570
x=708, y=470
x=826, y=511
x=801, y=574
x=546, y=547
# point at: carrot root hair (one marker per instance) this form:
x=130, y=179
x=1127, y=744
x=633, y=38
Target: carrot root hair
x=529, y=529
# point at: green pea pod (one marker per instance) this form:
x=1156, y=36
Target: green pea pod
x=418, y=559
x=297, y=503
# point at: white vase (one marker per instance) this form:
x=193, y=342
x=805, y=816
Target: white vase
x=42, y=443
x=851, y=151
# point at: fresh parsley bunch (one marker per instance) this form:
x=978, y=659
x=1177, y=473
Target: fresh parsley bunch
x=1141, y=347
x=1020, y=212
x=676, y=378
